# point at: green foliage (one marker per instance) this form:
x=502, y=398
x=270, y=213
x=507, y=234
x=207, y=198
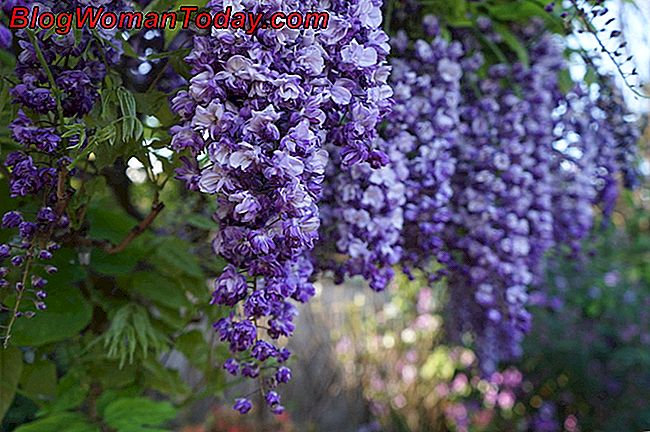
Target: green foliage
x=39, y=381
x=138, y=415
x=454, y=12
x=11, y=366
x=126, y=414
x=68, y=422
x=170, y=34
x=98, y=353
x=129, y=331
x=68, y=311
x=597, y=342
x=72, y=390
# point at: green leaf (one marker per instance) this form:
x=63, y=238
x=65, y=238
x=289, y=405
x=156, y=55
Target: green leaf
x=138, y=414
x=171, y=317
x=157, y=288
x=71, y=392
x=174, y=253
x=523, y=11
x=201, y=222
x=110, y=395
x=171, y=33
x=121, y=264
x=5, y=205
x=64, y=422
x=513, y=43
x=129, y=51
x=150, y=102
x=75, y=130
x=107, y=221
x=194, y=346
x=164, y=380
x=516, y=11
x=454, y=12
x=38, y=381
x=4, y=87
x=67, y=312
x=110, y=375
x=11, y=366
x=565, y=81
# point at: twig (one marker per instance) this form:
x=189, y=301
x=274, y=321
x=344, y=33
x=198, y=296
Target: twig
x=19, y=297
x=138, y=229
x=591, y=28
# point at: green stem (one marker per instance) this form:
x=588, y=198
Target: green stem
x=19, y=298
x=389, y=15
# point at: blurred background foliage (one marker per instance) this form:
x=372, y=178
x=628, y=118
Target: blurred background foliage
x=586, y=365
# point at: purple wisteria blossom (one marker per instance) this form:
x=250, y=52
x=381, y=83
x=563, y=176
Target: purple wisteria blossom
x=597, y=145
x=362, y=217
x=71, y=67
x=378, y=218
x=255, y=120
x=426, y=78
x=501, y=214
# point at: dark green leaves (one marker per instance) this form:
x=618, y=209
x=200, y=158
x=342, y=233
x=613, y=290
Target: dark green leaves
x=11, y=366
x=38, y=381
x=523, y=11
x=157, y=288
x=513, y=43
x=138, y=415
x=66, y=421
x=174, y=254
x=71, y=392
x=454, y=12
x=68, y=312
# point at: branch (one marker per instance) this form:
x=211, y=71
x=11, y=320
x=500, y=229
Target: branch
x=138, y=229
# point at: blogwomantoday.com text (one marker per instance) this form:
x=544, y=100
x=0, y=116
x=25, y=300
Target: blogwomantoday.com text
x=185, y=17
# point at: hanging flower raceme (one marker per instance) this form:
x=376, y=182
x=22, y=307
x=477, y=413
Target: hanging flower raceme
x=57, y=86
x=502, y=219
x=424, y=126
x=532, y=165
x=362, y=219
x=255, y=119
x=597, y=145
x=575, y=170
x=376, y=219
x=618, y=136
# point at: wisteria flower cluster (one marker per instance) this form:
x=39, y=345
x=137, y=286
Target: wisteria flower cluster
x=575, y=168
x=471, y=178
x=532, y=164
x=255, y=121
x=597, y=143
x=58, y=86
x=427, y=80
x=501, y=221
x=379, y=218
x=362, y=218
